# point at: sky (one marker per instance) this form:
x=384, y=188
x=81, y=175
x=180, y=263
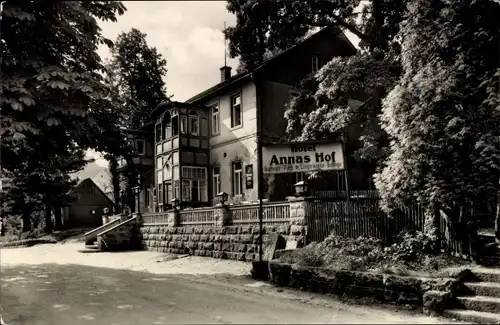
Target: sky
x=189, y=36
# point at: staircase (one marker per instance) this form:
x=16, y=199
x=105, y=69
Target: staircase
x=478, y=301
x=118, y=234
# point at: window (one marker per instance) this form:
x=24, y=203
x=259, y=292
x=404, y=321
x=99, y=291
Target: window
x=215, y=119
x=183, y=124
x=167, y=126
x=216, y=180
x=175, y=125
x=315, y=63
x=168, y=194
x=177, y=189
x=194, y=184
x=235, y=111
x=158, y=133
x=237, y=178
x=160, y=194
x=193, y=123
x=140, y=147
x=167, y=165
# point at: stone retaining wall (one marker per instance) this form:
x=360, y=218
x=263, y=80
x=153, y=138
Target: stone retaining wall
x=433, y=295
x=120, y=237
x=228, y=242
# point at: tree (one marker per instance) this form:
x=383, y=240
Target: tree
x=443, y=115
x=137, y=71
x=366, y=76
x=440, y=96
x=50, y=80
x=135, y=75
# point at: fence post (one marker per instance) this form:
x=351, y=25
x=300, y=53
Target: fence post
x=174, y=217
x=222, y=215
x=299, y=208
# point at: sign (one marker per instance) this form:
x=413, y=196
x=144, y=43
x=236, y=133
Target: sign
x=249, y=176
x=302, y=157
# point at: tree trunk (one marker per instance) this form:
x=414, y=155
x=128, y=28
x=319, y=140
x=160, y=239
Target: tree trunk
x=2, y=226
x=26, y=221
x=497, y=219
x=115, y=181
x=58, y=218
x=48, y=219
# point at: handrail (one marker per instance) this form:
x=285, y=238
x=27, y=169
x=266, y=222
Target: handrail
x=117, y=226
x=101, y=227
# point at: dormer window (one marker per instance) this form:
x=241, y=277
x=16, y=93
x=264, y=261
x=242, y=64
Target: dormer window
x=315, y=63
x=184, y=124
x=167, y=126
x=193, y=123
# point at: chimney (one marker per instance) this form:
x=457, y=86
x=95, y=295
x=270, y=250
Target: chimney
x=225, y=73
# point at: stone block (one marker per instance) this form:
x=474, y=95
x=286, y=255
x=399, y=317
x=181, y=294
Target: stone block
x=240, y=247
x=195, y=238
x=282, y=229
x=217, y=246
x=255, y=230
x=208, y=246
x=440, y=284
x=279, y=274
x=248, y=239
x=409, y=299
x=402, y=284
x=204, y=238
x=365, y=279
x=246, y=229
x=250, y=257
x=296, y=230
x=217, y=254
x=240, y=257
x=435, y=302
x=198, y=230
x=231, y=255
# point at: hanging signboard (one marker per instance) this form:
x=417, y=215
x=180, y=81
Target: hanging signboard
x=303, y=157
x=249, y=176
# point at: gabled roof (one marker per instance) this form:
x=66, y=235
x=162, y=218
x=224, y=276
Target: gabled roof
x=170, y=103
x=247, y=75
x=89, y=180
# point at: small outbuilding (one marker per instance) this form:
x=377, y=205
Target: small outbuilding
x=87, y=210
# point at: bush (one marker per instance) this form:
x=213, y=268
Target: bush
x=411, y=244
x=413, y=251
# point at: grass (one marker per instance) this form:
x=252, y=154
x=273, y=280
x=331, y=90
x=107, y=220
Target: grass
x=60, y=236
x=408, y=257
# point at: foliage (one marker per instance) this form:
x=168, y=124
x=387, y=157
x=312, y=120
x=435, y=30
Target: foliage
x=444, y=114
x=426, y=61
x=412, y=252
x=53, y=97
x=136, y=71
x=366, y=76
x=410, y=244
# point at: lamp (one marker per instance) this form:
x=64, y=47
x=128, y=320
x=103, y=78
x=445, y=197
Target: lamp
x=105, y=211
x=222, y=196
x=93, y=212
x=137, y=191
x=301, y=188
x=175, y=202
